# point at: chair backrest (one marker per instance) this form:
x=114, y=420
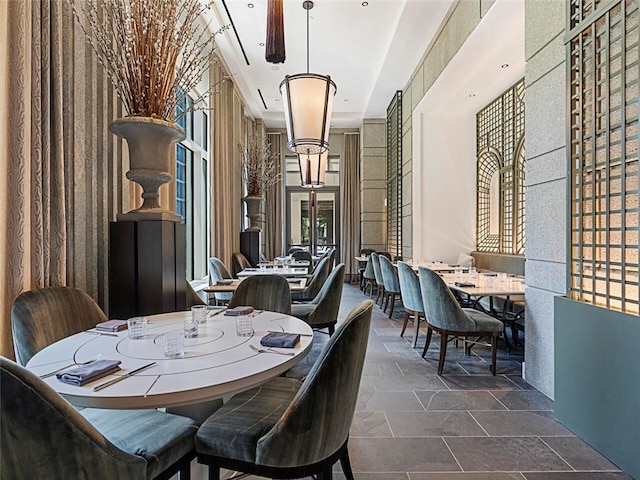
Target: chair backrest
x=377, y=272
x=193, y=298
x=440, y=306
x=44, y=316
x=368, y=270
x=300, y=255
x=295, y=249
x=238, y=263
x=385, y=254
x=218, y=271
x=263, y=292
x=43, y=436
x=318, y=278
x=316, y=423
x=389, y=275
x=366, y=251
x=410, y=288
x=328, y=299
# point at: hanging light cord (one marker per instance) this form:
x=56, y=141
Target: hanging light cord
x=309, y=8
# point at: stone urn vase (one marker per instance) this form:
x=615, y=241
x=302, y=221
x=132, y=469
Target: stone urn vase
x=151, y=143
x=253, y=204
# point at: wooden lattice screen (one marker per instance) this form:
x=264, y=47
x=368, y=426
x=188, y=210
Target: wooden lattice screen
x=394, y=176
x=603, y=126
x=500, y=151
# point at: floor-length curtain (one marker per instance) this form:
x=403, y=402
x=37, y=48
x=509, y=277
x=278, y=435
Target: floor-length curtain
x=62, y=177
x=350, y=218
x=227, y=131
x=273, y=206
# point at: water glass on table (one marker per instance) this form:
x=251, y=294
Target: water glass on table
x=190, y=327
x=244, y=326
x=137, y=327
x=173, y=344
x=199, y=313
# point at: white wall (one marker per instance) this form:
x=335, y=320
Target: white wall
x=445, y=179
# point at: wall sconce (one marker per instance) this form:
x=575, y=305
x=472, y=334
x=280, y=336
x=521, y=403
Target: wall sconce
x=308, y=103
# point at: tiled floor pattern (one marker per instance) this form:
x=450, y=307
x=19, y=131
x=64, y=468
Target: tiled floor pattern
x=411, y=424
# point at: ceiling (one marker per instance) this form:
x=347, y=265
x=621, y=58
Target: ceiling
x=369, y=51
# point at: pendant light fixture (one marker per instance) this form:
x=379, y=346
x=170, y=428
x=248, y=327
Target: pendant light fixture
x=313, y=167
x=308, y=102
x=275, y=51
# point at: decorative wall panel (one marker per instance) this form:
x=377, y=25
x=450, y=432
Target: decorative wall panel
x=394, y=176
x=603, y=114
x=500, y=174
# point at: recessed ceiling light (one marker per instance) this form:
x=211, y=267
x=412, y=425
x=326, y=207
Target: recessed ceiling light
x=250, y=5
x=505, y=65
x=346, y=99
x=277, y=99
x=365, y=4
x=471, y=95
x=262, y=44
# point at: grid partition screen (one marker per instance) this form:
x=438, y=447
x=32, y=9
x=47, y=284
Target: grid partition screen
x=394, y=176
x=500, y=174
x=603, y=127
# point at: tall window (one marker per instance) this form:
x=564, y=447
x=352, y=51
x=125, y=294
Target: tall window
x=500, y=174
x=603, y=155
x=192, y=183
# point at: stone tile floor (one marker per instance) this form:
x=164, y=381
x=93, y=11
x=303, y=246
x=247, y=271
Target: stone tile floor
x=467, y=424
x=411, y=424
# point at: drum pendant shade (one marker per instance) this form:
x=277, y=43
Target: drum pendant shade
x=308, y=103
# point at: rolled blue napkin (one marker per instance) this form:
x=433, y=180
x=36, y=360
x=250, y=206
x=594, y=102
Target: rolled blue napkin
x=239, y=310
x=281, y=340
x=88, y=373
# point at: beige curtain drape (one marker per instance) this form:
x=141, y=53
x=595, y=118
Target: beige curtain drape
x=273, y=207
x=350, y=218
x=62, y=170
x=228, y=128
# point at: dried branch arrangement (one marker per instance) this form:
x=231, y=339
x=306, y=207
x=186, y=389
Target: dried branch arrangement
x=260, y=166
x=152, y=50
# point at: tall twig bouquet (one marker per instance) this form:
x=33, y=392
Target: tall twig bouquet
x=260, y=166
x=154, y=51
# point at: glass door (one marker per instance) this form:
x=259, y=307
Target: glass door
x=313, y=218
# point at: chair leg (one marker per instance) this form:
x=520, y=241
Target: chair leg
x=427, y=341
x=443, y=351
x=185, y=472
x=416, y=320
x=331, y=329
x=406, y=320
x=326, y=474
x=346, y=465
x=393, y=303
x=214, y=472
x=494, y=349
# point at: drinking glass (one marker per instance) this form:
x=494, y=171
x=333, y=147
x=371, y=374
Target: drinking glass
x=190, y=327
x=199, y=313
x=137, y=327
x=244, y=326
x=173, y=344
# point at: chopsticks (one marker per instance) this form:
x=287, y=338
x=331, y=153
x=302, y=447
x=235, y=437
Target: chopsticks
x=301, y=334
x=127, y=375
x=217, y=313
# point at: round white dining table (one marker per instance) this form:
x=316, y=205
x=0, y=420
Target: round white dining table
x=216, y=363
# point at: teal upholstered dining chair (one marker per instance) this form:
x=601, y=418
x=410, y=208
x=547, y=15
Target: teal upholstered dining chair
x=302, y=255
x=391, y=283
x=445, y=316
x=411, y=298
x=43, y=436
x=377, y=273
x=193, y=298
x=43, y=316
x=263, y=292
x=369, y=277
x=365, y=252
x=218, y=271
x=238, y=263
x=322, y=311
x=314, y=282
x=287, y=429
